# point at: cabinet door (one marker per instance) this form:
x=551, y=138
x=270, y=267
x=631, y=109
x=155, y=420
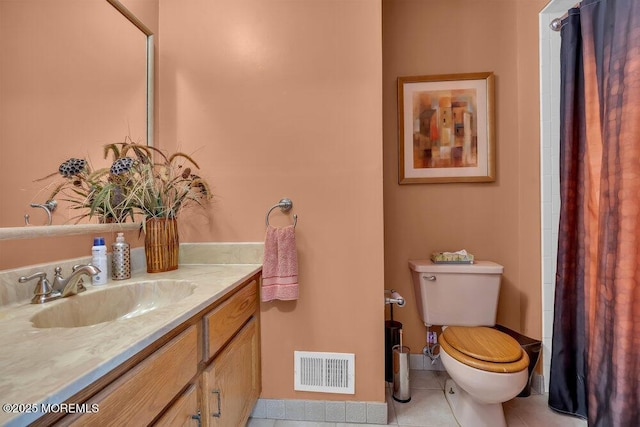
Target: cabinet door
x=231, y=383
x=182, y=412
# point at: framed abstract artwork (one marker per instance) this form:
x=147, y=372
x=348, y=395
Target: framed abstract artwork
x=446, y=128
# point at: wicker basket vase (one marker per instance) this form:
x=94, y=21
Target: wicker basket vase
x=161, y=244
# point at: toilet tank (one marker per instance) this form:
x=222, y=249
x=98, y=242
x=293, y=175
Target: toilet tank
x=456, y=294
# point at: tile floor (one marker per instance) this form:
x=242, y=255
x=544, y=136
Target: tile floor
x=429, y=408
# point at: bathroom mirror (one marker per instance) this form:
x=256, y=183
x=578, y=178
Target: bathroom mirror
x=74, y=75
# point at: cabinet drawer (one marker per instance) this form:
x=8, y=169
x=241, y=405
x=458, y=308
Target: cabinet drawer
x=225, y=320
x=138, y=396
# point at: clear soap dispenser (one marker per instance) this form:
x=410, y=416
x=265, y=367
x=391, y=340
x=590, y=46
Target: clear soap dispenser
x=120, y=259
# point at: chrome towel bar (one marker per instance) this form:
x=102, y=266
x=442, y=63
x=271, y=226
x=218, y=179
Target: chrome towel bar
x=285, y=205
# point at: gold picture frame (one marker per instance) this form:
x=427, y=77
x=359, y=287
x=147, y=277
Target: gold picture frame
x=446, y=128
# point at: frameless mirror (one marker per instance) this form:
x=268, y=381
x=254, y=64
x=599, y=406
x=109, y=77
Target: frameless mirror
x=74, y=75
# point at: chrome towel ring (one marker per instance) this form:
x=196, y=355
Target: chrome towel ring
x=285, y=205
x=49, y=206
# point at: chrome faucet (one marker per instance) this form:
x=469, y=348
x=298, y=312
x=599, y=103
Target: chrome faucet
x=72, y=285
x=62, y=287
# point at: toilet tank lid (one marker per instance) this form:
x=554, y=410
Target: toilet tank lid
x=478, y=267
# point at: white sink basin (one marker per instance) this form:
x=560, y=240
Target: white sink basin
x=121, y=302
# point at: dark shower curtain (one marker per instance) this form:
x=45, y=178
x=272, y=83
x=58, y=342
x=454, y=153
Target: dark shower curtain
x=595, y=363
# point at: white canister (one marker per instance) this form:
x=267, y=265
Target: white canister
x=99, y=259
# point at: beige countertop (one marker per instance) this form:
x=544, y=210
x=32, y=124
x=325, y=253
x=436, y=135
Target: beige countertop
x=49, y=365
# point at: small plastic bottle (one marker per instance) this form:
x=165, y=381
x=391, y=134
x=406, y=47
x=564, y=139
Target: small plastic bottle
x=120, y=259
x=99, y=259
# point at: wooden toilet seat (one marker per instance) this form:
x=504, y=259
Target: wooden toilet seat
x=484, y=348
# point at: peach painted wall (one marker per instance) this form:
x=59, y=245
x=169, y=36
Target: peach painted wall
x=280, y=99
x=497, y=221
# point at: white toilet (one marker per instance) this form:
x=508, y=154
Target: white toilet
x=486, y=366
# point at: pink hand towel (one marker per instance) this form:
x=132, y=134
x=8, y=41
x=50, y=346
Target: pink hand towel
x=280, y=265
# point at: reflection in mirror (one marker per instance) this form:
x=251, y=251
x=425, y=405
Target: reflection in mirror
x=73, y=77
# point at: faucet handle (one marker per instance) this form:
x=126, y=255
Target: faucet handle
x=43, y=291
x=39, y=275
x=81, y=287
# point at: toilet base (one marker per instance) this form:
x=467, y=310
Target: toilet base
x=470, y=412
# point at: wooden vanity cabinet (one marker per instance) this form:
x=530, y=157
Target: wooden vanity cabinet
x=206, y=375
x=231, y=381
